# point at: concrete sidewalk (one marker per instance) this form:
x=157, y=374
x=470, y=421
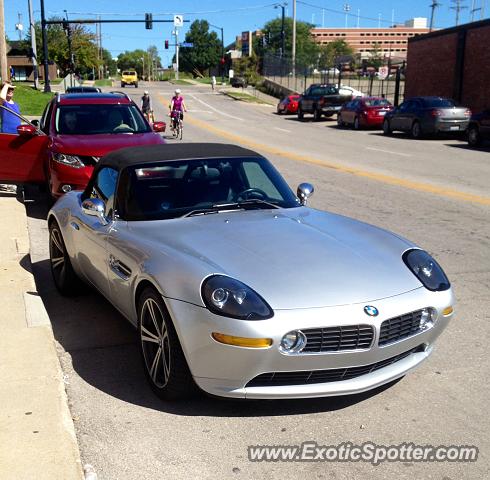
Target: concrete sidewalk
x=37, y=436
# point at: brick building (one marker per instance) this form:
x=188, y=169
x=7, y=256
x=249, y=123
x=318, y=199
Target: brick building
x=18, y=57
x=391, y=42
x=453, y=63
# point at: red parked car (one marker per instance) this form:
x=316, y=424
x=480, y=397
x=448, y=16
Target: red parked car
x=364, y=112
x=288, y=104
x=75, y=130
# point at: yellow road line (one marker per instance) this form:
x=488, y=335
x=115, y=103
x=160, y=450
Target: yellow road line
x=379, y=177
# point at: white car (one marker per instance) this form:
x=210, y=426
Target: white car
x=346, y=90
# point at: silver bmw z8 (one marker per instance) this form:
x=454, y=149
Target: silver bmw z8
x=235, y=286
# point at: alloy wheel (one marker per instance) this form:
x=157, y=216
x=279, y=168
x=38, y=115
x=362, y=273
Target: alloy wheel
x=155, y=342
x=57, y=255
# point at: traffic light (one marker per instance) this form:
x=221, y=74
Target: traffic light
x=166, y=44
x=148, y=21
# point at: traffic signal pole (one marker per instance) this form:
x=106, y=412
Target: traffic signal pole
x=148, y=21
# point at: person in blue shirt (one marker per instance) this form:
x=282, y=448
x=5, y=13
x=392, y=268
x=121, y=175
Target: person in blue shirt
x=9, y=121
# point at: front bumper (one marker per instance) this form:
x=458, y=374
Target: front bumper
x=331, y=108
x=225, y=370
x=60, y=175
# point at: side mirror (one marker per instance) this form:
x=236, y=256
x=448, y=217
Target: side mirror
x=35, y=122
x=95, y=207
x=304, y=192
x=26, y=130
x=159, y=126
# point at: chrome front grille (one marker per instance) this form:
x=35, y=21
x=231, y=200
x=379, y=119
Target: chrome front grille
x=401, y=327
x=338, y=339
x=277, y=379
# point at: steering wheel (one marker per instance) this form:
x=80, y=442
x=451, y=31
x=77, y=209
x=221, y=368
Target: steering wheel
x=252, y=193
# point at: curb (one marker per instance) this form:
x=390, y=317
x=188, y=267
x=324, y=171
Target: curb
x=38, y=433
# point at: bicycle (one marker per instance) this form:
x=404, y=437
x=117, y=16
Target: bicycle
x=177, y=124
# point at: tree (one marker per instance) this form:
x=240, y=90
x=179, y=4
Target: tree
x=109, y=62
x=129, y=60
x=306, y=49
x=206, y=50
x=330, y=53
x=375, y=56
x=84, y=47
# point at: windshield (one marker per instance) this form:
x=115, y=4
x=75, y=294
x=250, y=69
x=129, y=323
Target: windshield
x=98, y=119
x=377, y=102
x=178, y=188
x=439, y=103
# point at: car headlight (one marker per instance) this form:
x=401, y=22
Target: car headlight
x=71, y=160
x=427, y=270
x=230, y=298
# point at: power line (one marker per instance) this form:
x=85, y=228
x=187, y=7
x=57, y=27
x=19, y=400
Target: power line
x=341, y=12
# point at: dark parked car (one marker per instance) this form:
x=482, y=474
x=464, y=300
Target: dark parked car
x=364, y=112
x=288, y=104
x=479, y=128
x=83, y=89
x=427, y=115
x=239, y=82
x=321, y=99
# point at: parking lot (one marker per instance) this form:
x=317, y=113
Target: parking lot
x=432, y=191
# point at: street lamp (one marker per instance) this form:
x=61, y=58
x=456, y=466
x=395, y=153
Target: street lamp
x=283, y=37
x=222, y=61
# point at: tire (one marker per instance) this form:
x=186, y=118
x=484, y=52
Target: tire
x=122, y=85
x=163, y=359
x=357, y=124
x=386, y=127
x=135, y=85
x=416, y=131
x=65, y=278
x=317, y=115
x=474, y=136
x=301, y=115
x=340, y=123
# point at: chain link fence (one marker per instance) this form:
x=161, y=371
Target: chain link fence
x=298, y=79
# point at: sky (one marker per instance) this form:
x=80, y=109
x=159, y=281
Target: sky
x=234, y=17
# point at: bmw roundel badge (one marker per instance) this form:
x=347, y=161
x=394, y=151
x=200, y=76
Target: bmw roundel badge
x=371, y=311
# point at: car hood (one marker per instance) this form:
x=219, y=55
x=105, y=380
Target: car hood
x=99, y=145
x=294, y=258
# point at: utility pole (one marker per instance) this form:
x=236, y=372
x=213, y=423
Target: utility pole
x=283, y=36
x=433, y=7
x=18, y=26
x=346, y=10
x=176, y=33
x=47, y=86
x=457, y=7
x=3, y=45
x=475, y=9
x=293, y=47
x=33, y=46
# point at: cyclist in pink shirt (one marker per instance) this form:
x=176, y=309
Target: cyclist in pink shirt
x=177, y=107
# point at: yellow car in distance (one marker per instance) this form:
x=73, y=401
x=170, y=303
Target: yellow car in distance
x=129, y=77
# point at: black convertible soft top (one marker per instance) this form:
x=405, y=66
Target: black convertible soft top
x=125, y=157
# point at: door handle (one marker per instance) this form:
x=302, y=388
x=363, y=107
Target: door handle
x=74, y=225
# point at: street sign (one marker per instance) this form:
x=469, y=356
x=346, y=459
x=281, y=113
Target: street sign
x=187, y=44
x=178, y=20
x=383, y=73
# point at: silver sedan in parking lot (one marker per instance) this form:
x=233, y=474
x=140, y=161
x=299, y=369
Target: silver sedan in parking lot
x=236, y=286
x=421, y=116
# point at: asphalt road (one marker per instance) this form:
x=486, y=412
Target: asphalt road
x=434, y=192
